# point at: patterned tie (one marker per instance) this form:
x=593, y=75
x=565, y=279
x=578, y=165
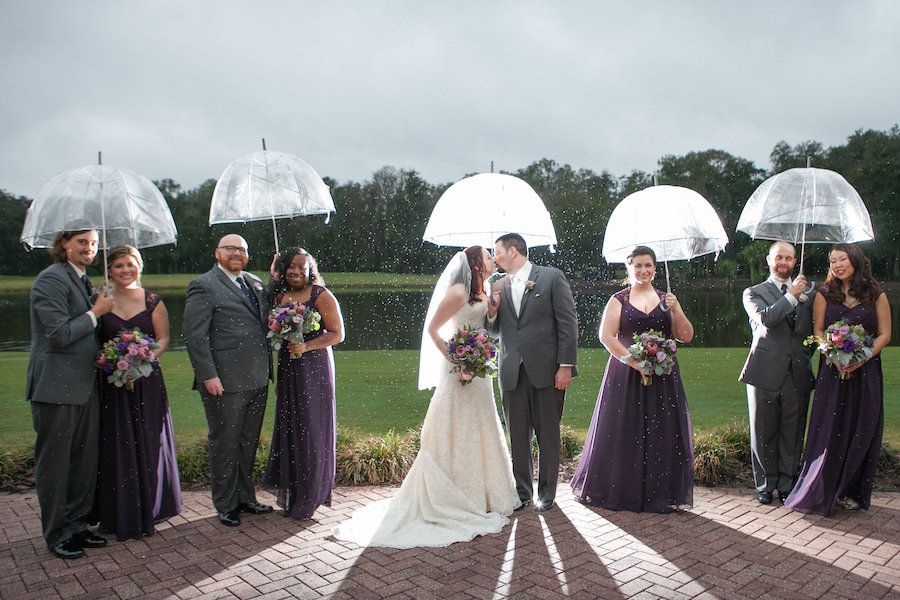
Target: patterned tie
x=89, y=288
x=248, y=293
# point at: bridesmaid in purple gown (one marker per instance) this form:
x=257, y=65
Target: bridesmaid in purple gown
x=639, y=452
x=301, y=465
x=845, y=426
x=137, y=481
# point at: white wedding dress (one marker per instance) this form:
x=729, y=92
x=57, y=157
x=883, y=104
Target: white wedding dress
x=461, y=483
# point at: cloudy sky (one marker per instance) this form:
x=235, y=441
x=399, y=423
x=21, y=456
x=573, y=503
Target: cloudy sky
x=176, y=89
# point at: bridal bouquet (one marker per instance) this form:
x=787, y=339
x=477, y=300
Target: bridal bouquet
x=127, y=357
x=654, y=352
x=473, y=353
x=844, y=344
x=289, y=321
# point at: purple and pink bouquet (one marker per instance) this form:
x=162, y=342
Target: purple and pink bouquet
x=654, y=352
x=843, y=345
x=473, y=353
x=127, y=357
x=289, y=321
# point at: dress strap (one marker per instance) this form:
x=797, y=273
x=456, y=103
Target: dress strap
x=623, y=296
x=151, y=299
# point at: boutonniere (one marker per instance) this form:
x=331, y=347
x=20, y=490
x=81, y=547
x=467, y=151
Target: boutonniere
x=803, y=298
x=95, y=293
x=529, y=285
x=257, y=286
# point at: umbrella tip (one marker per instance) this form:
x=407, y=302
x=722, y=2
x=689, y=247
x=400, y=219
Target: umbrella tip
x=264, y=143
x=99, y=157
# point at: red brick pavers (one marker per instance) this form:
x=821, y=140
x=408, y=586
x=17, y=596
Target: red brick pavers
x=727, y=546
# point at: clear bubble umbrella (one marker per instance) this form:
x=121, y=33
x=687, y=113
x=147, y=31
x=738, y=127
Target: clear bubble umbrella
x=269, y=185
x=479, y=209
x=806, y=205
x=123, y=206
x=676, y=222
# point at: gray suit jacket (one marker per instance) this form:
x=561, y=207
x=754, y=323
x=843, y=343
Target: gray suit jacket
x=543, y=336
x=64, y=342
x=775, y=344
x=224, y=334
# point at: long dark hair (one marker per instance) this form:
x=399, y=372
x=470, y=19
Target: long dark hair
x=863, y=286
x=475, y=256
x=284, y=261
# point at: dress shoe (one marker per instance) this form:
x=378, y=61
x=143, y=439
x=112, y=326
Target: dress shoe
x=523, y=506
x=67, y=549
x=764, y=497
x=543, y=506
x=232, y=518
x=86, y=539
x=255, y=508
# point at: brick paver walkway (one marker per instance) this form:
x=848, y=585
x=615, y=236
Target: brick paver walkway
x=727, y=546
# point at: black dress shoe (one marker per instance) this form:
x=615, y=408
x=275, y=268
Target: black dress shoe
x=86, y=539
x=764, y=497
x=255, y=508
x=543, y=506
x=232, y=518
x=67, y=549
x=523, y=506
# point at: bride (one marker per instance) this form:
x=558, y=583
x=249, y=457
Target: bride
x=461, y=484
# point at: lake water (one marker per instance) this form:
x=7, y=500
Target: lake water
x=393, y=320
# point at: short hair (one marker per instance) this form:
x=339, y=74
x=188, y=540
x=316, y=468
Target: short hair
x=123, y=250
x=56, y=250
x=514, y=240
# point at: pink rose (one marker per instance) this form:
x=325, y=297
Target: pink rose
x=127, y=336
x=652, y=347
x=122, y=365
x=101, y=359
x=481, y=337
x=461, y=351
x=660, y=356
x=273, y=325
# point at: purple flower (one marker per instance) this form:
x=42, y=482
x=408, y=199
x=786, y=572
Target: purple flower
x=122, y=346
x=849, y=346
x=122, y=365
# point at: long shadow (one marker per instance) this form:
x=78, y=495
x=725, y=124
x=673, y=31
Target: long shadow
x=729, y=563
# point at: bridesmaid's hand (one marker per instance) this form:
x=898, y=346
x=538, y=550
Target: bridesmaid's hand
x=851, y=367
x=671, y=301
x=298, y=348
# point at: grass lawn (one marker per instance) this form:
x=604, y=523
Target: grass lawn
x=377, y=393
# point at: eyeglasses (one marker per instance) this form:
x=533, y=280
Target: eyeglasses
x=233, y=249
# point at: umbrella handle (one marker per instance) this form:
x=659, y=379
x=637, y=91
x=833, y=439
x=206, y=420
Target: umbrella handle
x=662, y=303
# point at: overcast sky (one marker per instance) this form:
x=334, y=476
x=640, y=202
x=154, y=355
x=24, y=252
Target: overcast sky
x=178, y=89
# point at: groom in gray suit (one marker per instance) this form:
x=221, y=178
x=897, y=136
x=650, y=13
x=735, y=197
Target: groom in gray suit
x=64, y=392
x=778, y=373
x=225, y=317
x=534, y=312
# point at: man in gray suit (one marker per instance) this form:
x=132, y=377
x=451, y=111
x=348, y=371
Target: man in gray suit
x=534, y=312
x=225, y=317
x=64, y=392
x=778, y=373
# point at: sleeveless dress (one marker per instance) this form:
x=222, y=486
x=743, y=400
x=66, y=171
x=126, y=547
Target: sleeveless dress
x=137, y=467
x=301, y=466
x=843, y=440
x=461, y=485
x=639, y=453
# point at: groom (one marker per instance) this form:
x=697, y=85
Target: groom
x=534, y=313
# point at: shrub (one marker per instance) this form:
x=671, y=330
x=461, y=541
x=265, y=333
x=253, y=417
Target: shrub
x=722, y=455
x=374, y=460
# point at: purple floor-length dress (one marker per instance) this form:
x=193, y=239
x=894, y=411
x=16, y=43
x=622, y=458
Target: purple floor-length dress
x=843, y=440
x=639, y=453
x=301, y=464
x=137, y=479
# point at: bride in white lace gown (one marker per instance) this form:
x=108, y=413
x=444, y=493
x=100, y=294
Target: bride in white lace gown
x=461, y=483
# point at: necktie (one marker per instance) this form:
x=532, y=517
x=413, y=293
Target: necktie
x=792, y=316
x=248, y=293
x=517, y=289
x=88, y=288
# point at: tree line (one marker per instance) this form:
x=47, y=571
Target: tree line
x=379, y=222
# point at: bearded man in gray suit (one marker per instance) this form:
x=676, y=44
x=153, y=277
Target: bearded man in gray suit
x=64, y=392
x=778, y=373
x=534, y=312
x=225, y=316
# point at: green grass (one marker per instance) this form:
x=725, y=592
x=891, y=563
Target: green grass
x=376, y=393
x=337, y=281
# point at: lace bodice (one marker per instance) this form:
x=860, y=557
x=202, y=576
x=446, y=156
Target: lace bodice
x=470, y=314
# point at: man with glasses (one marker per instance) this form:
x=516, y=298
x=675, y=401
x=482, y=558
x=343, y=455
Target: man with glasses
x=225, y=318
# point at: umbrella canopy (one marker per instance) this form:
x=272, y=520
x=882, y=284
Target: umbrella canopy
x=268, y=185
x=479, y=209
x=124, y=206
x=806, y=205
x=676, y=222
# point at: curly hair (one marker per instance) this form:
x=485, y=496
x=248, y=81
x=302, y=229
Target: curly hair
x=284, y=261
x=863, y=286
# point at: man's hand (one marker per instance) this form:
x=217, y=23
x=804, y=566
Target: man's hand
x=214, y=387
x=798, y=287
x=103, y=304
x=563, y=378
x=493, y=304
